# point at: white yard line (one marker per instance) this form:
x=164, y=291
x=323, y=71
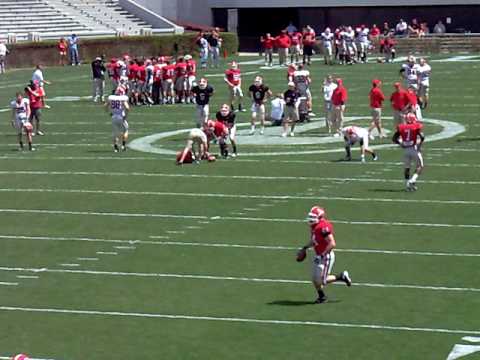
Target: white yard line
x=107, y=253
x=236, y=320
x=27, y=277
x=231, y=278
x=241, y=196
x=240, y=177
x=87, y=259
x=229, y=218
x=5, y=283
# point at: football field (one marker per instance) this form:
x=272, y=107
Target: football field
x=127, y=256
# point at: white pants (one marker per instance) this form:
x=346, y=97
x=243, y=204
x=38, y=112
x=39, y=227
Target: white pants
x=412, y=154
x=202, y=114
x=322, y=267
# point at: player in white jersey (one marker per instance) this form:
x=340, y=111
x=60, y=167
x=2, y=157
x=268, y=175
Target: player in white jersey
x=354, y=134
x=196, y=137
x=20, y=115
x=424, y=72
x=409, y=72
x=327, y=42
x=328, y=87
x=363, y=43
x=302, y=80
x=118, y=107
x=349, y=47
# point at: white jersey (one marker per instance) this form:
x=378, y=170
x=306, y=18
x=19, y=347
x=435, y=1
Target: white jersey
x=3, y=49
x=117, y=106
x=328, y=89
x=424, y=73
x=149, y=69
x=197, y=135
x=411, y=73
x=301, y=78
x=348, y=36
x=363, y=36
x=327, y=39
x=20, y=109
x=278, y=106
x=355, y=133
x=38, y=77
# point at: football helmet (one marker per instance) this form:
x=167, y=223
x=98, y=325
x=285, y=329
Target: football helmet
x=315, y=214
x=202, y=84
x=224, y=110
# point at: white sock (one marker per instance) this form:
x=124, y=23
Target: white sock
x=414, y=178
x=252, y=128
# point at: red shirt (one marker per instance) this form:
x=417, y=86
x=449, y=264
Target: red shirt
x=319, y=236
x=399, y=99
x=283, y=41
x=412, y=98
x=62, y=46
x=409, y=132
x=141, y=73
x=309, y=38
x=268, y=43
x=191, y=67
x=132, y=71
x=180, y=69
x=35, y=101
x=234, y=76
x=339, y=96
x=376, y=98
x=220, y=129
x=168, y=72
x=296, y=38
x=157, y=73
x=375, y=31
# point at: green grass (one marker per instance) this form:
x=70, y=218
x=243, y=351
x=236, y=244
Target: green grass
x=74, y=198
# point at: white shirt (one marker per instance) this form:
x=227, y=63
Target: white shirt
x=20, y=109
x=327, y=39
x=411, y=73
x=197, y=135
x=3, y=49
x=424, y=73
x=363, y=35
x=117, y=105
x=401, y=26
x=38, y=76
x=203, y=43
x=354, y=133
x=278, y=106
x=328, y=89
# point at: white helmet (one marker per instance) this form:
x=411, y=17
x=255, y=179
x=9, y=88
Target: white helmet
x=187, y=57
x=224, y=110
x=315, y=214
x=258, y=80
x=202, y=84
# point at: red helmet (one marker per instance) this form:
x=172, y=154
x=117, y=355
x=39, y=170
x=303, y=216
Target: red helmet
x=315, y=214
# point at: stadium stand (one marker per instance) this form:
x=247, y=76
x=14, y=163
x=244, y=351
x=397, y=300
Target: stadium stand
x=51, y=19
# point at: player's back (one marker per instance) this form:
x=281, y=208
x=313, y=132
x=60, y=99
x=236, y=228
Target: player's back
x=117, y=104
x=409, y=132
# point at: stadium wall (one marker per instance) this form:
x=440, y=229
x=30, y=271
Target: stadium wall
x=23, y=55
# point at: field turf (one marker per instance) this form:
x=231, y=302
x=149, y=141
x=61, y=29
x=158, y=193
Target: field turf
x=128, y=256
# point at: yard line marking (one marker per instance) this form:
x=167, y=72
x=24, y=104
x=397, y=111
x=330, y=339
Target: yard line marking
x=250, y=209
x=240, y=177
x=4, y=283
x=27, y=277
x=223, y=245
x=237, y=320
x=235, y=278
x=87, y=259
x=107, y=253
x=175, y=232
x=281, y=198
x=125, y=247
x=192, y=227
x=69, y=265
x=230, y=218
x=167, y=237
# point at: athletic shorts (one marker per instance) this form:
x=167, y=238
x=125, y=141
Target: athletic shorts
x=291, y=113
x=376, y=113
x=180, y=83
x=120, y=126
x=412, y=154
x=423, y=90
x=308, y=50
x=258, y=108
x=203, y=111
x=322, y=267
x=236, y=91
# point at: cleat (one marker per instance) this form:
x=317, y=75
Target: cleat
x=292, y=134
x=233, y=155
x=375, y=158
x=124, y=148
x=252, y=132
x=284, y=135
x=363, y=160
x=371, y=137
x=310, y=113
x=321, y=300
x=336, y=135
x=346, y=278
x=347, y=158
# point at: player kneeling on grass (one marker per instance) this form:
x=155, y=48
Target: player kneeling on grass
x=406, y=136
x=20, y=115
x=354, y=134
x=323, y=242
x=118, y=106
x=196, y=148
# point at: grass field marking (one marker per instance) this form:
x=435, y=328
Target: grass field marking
x=125, y=247
x=228, y=218
x=233, y=246
x=242, y=196
x=6, y=283
x=87, y=259
x=234, y=278
x=235, y=319
x=31, y=358
x=27, y=277
x=239, y=177
x=107, y=253
x=68, y=265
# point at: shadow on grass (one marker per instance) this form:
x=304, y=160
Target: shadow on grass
x=468, y=139
x=100, y=151
x=299, y=302
x=388, y=190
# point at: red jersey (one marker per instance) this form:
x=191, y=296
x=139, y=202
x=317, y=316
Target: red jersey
x=180, y=69
x=141, y=73
x=220, y=129
x=157, y=73
x=35, y=100
x=309, y=38
x=168, y=72
x=132, y=71
x=234, y=76
x=283, y=41
x=296, y=38
x=268, y=43
x=376, y=98
x=319, y=236
x=412, y=98
x=399, y=99
x=191, y=67
x=339, y=96
x=62, y=46
x=409, y=133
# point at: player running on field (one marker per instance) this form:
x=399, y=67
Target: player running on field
x=376, y=100
x=118, y=106
x=233, y=78
x=259, y=93
x=227, y=116
x=354, y=134
x=202, y=93
x=20, y=115
x=407, y=137
x=302, y=80
x=424, y=72
x=322, y=240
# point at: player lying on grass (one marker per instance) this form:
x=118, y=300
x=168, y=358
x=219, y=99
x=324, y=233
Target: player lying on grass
x=118, y=107
x=406, y=136
x=20, y=115
x=354, y=134
x=323, y=242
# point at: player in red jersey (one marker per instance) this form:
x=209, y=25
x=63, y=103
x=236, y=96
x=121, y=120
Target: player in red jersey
x=233, y=78
x=413, y=102
x=323, y=242
x=268, y=43
x=295, y=46
x=167, y=82
x=191, y=77
x=218, y=131
x=157, y=82
x=399, y=100
x=180, y=79
x=406, y=136
x=376, y=100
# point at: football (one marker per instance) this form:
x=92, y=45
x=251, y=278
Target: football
x=301, y=255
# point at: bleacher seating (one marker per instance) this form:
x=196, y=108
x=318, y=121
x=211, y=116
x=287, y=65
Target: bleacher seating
x=55, y=18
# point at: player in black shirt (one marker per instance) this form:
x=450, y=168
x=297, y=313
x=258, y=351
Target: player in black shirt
x=227, y=116
x=292, y=99
x=259, y=94
x=202, y=93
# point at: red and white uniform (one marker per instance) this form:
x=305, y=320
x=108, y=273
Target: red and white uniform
x=268, y=43
x=22, y=110
x=180, y=76
x=157, y=73
x=167, y=76
x=191, y=72
x=413, y=103
x=409, y=133
x=296, y=41
x=132, y=76
x=324, y=260
x=234, y=77
x=141, y=77
x=355, y=134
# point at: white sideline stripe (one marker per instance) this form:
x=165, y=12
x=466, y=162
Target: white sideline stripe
x=227, y=218
x=125, y=247
x=107, y=253
x=69, y=265
x=4, y=283
x=27, y=277
x=242, y=177
x=240, y=196
x=266, y=247
x=238, y=320
x=231, y=278
x=87, y=259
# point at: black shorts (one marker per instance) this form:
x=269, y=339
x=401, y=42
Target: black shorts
x=36, y=113
x=308, y=50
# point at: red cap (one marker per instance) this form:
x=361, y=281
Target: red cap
x=376, y=82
